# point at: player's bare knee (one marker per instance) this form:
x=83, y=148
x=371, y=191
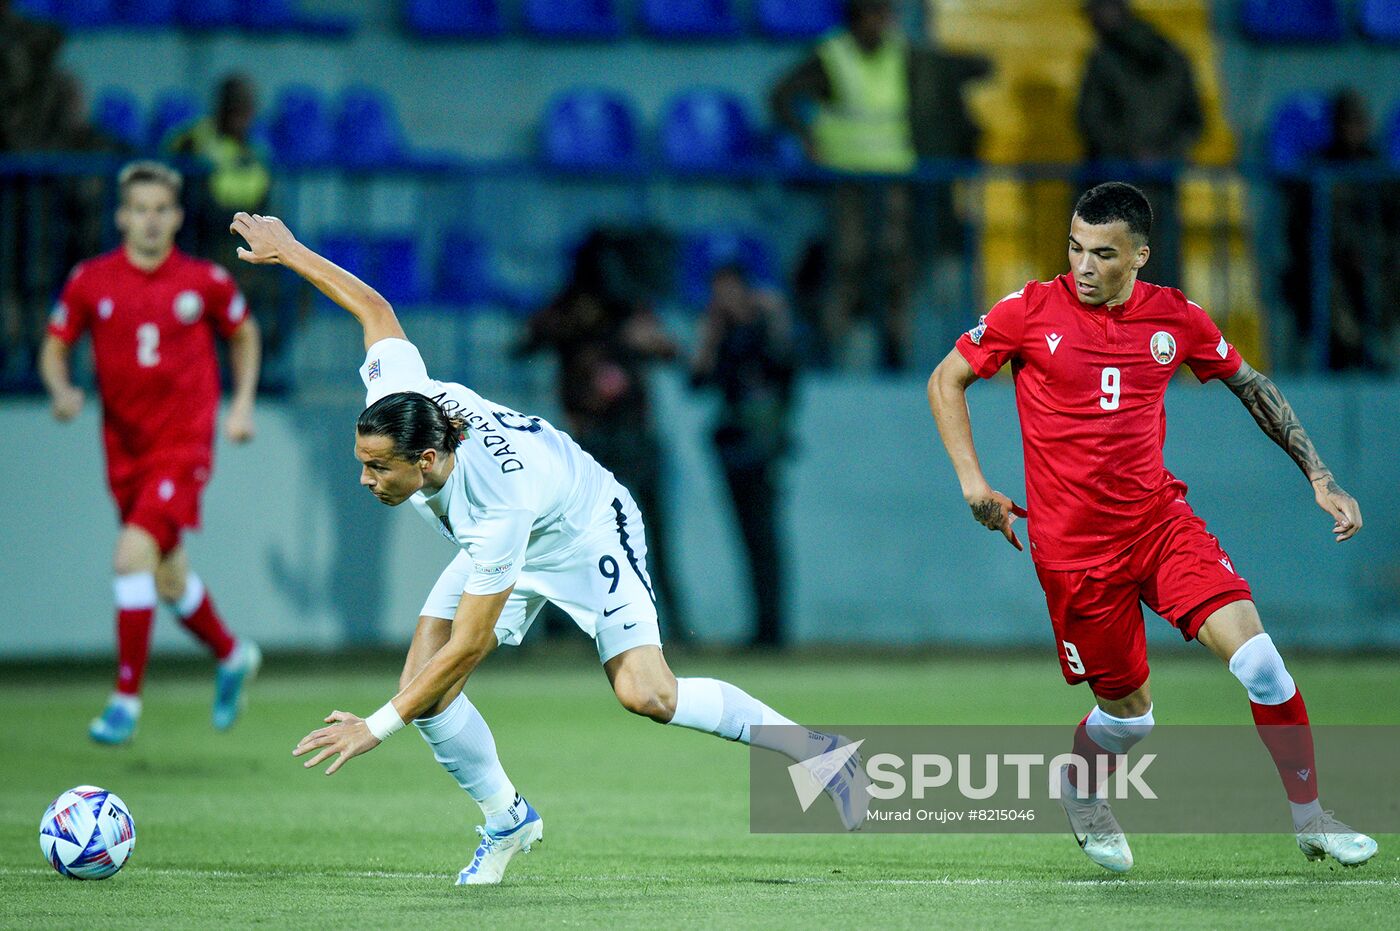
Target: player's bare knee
x=169, y=588
x=650, y=699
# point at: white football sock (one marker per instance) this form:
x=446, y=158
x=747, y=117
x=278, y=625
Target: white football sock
x=1303, y=812
x=728, y=711
x=463, y=744
x=131, y=704
x=189, y=602
x=134, y=591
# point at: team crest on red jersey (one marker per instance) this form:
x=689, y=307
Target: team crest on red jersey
x=188, y=306
x=1163, y=346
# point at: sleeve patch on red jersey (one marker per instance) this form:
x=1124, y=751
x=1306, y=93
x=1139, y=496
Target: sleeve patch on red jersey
x=236, y=307
x=59, y=316
x=975, y=334
x=217, y=273
x=1223, y=349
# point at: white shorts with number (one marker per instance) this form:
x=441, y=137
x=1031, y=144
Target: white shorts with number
x=601, y=581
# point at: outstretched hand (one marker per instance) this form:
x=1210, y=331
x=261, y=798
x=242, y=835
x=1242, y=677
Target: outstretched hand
x=1342, y=506
x=995, y=511
x=268, y=238
x=347, y=735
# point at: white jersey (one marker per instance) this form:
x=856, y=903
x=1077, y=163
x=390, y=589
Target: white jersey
x=520, y=493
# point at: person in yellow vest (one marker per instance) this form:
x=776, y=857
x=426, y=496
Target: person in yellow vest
x=239, y=180
x=866, y=82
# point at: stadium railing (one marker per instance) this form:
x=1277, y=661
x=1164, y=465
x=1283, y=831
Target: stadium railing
x=42, y=233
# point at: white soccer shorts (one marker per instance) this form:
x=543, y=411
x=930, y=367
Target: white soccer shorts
x=601, y=581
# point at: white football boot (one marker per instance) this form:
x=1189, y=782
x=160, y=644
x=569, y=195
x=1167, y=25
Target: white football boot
x=494, y=852
x=1097, y=830
x=1325, y=835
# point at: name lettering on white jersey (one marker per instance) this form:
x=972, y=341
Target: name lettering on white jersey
x=1053, y=341
x=492, y=439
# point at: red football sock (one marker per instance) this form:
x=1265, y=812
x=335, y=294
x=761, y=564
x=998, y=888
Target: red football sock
x=204, y=623
x=1086, y=747
x=1285, y=732
x=133, y=647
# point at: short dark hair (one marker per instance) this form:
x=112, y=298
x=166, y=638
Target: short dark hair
x=1116, y=202
x=415, y=422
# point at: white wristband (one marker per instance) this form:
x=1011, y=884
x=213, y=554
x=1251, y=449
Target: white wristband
x=384, y=722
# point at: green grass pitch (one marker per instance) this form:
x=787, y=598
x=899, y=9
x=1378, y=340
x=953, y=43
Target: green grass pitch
x=645, y=826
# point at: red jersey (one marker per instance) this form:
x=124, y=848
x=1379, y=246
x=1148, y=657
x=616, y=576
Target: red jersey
x=153, y=342
x=1089, y=388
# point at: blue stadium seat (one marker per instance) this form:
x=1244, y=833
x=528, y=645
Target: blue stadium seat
x=351, y=252
x=267, y=16
x=300, y=132
x=208, y=14
x=574, y=19
x=458, y=19
x=283, y=16
x=396, y=268
x=691, y=19
x=173, y=110
x=367, y=130
x=1313, y=21
x=797, y=19
x=1302, y=127
x=39, y=9
x=590, y=129
x=86, y=14
x=467, y=274
x=704, y=251
x=147, y=12
x=1380, y=20
x=1391, y=142
x=707, y=130
x=116, y=113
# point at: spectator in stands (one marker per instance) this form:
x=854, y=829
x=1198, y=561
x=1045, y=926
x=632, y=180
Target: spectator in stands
x=605, y=334
x=1140, y=115
x=1365, y=246
x=28, y=49
x=875, y=96
x=746, y=351
x=239, y=179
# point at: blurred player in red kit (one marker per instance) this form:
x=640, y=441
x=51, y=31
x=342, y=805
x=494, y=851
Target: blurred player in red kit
x=153, y=313
x=1091, y=353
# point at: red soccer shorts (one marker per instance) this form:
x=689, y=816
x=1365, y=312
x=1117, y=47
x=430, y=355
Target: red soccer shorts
x=163, y=501
x=1178, y=569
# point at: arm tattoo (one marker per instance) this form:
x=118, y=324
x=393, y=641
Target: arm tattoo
x=987, y=513
x=1275, y=416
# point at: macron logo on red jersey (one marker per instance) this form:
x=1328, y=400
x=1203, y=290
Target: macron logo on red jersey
x=1053, y=341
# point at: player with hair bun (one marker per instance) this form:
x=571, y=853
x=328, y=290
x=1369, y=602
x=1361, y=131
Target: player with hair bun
x=535, y=519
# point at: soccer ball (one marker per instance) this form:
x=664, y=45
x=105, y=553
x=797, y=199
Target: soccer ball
x=87, y=833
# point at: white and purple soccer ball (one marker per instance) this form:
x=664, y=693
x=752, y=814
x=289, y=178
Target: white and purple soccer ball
x=87, y=833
